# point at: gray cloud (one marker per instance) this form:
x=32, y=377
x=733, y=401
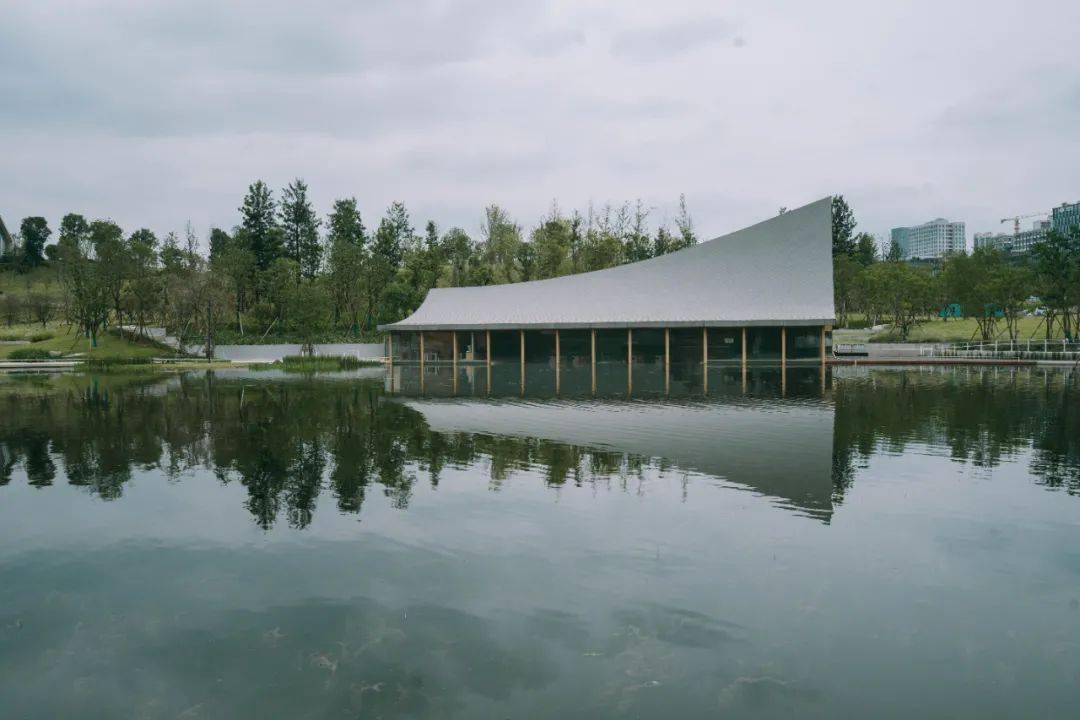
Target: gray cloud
x=657, y=43
x=154, y=113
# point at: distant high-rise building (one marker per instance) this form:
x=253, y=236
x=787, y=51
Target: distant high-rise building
x=934, y=239
x=1065, y=216
x=1019, y=244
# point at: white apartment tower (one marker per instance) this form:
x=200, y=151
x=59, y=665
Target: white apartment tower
x=934, y=239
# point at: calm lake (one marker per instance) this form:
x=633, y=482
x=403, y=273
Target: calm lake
x=864, y=543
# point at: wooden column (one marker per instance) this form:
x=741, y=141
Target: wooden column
x=390, y=348
x=453, y=364
x=629, y=361
x=592, y=359
x=822, y=347
x=487, y=353
x=744, y=359
x=521, y=337
x=705, y=359
x=667, y=360
x=421, y=361
x=783, y=360
x=558, y=351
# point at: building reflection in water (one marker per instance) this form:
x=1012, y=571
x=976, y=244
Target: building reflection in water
x=797, y=437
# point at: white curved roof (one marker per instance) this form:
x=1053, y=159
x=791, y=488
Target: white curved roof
x=778, y=272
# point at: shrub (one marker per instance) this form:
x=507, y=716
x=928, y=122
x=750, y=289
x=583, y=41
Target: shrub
x=41, y=336
x=323, y=362
x=29, y=353
x=114, y=360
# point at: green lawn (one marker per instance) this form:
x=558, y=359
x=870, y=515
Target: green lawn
x=42, y=279
x=965, y=330
x=111, y=347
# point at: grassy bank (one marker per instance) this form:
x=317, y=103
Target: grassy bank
x=60, y=341
x=963, y=330
x=318, y=363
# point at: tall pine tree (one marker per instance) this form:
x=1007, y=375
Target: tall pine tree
x=259, y=225
x=301, y=228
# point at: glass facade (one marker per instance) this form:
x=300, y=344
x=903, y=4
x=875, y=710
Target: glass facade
x=804, y=343
x=725, y=345
x=763, y=343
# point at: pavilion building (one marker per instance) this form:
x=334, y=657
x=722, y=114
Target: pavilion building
x=763, y=294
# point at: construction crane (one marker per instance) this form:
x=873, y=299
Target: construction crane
x=1017, y=218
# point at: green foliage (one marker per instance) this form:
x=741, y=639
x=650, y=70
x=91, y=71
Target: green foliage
x=261, y=234
x=34, y=232
x=865, y=249
x=300, y=228
x=315, y=363
x=1056, y=274
x=900, y=292
x=29, y=353
x=843, y=227
x=284, y=273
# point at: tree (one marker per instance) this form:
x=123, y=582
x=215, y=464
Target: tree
x=112, y=260
x=259, y=224
x=74, y=230
x=502, y=237
x=300, y=226
x=231, y=259
x=843, y=227
x=638, y=245
x=551, y=241
x=602, y=245
x=1013, y=283
x=460, y=257
x=895, y=254
x=973, y=281
x=899, y=292
x=865, y=249
x=143, y=288
x=34, y=232
x=846, y=278
x=344, y=223
x=347, y=240
x=41, y=306
x=85, y=287
x=685, y=225
x=308, y=314
x=387, y=251
x=220, y=242
x=1057, y=278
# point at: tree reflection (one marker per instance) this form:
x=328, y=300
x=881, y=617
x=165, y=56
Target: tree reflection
x=982, y=416
x=289, y=441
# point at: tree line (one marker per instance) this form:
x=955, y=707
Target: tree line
x=285, y=270
x=993, y=288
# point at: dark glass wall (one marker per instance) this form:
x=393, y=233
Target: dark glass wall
x=763, y=343
x=725, y=344
x=406, y=347
x=438, y=346
x=505, y=346
x=472, y=345
x=574, y=345
x=648, y=346
x=611, y=345
x=686, y=345
x=804, y=343
x=540, y=346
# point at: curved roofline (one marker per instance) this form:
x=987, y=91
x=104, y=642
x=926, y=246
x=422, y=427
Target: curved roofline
x=777, y=272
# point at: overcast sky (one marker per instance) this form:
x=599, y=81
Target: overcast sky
x=154, y=113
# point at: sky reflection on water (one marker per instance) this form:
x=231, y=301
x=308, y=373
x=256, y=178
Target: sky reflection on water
x=249, y=545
